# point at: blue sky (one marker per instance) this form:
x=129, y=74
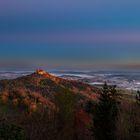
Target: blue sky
x=76, y=33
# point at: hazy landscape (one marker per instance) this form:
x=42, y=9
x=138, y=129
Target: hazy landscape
x=125, y=79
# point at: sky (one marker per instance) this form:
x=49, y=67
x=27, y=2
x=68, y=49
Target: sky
x=70, y=33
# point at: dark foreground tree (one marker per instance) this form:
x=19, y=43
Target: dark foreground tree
x=128, y=123
x=10, y=131
x=105, y=114
x=138, y=97
x=66, y=102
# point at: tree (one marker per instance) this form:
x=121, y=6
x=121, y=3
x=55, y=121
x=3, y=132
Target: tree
x=105, y=114
x=66, y=102
x=90, y=107
x=10, y=131
x=138, y=97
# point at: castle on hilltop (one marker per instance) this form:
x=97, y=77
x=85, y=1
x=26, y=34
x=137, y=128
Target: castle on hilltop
x=40, y=72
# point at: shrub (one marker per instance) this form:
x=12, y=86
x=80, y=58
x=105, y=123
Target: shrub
x=4, y=99
x=15, y=102
x=32, y=107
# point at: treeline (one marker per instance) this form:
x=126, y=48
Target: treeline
x=109, y=118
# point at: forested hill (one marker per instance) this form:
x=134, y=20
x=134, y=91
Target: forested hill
x=40, y=87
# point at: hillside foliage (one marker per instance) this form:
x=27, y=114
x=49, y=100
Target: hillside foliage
x=45, y=107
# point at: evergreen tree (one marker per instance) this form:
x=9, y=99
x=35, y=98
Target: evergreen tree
x=138, y=97
x=105, y=114
x=90, y=107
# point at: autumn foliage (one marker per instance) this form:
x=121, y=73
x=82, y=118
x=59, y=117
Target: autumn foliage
x=44, y=107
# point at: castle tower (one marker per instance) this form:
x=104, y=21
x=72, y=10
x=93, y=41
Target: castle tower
x=40, y=72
